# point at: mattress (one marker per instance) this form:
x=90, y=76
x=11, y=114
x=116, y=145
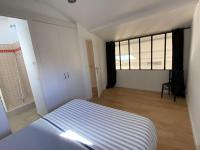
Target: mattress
x=40, y=135
x=105, y=128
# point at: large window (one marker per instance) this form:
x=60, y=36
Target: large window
x=152, y=52
x=158, y=51
x=134, y=54
x=168, y=51
x=124, y=49
x=145, y=52
x=117, y=56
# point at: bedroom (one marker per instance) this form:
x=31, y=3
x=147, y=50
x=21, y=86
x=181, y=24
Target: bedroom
x=78, y=49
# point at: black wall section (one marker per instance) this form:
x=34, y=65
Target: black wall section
x=111, y=71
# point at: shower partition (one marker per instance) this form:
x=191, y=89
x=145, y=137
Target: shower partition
x=2, y=101
x=14, y=83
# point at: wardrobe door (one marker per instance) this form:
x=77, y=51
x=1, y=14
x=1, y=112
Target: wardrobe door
x=71, y=61
x=45, y=40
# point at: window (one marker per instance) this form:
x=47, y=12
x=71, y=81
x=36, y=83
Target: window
x=117, y=56
x=134, y=54
x=169, y=51
x=145, y=52
x=124, y=55
x=158, y=52
x=152, y=52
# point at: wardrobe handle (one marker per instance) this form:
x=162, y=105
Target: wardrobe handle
x=65, y=76
x=68, y=75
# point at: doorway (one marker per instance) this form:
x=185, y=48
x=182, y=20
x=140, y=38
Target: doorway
x=92, y=68
x=15, y=89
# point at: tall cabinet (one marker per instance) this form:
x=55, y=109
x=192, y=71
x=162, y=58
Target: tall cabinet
x=58, y=57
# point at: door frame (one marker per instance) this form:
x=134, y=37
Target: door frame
x=2, y=100
x=95, y=69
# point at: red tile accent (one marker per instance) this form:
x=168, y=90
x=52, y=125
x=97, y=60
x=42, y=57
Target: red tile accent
x=10, y=50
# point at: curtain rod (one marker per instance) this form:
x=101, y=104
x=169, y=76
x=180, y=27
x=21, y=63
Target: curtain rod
x=152, y=34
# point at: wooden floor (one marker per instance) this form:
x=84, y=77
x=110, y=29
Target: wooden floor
x=22, y=119
x=171, y=119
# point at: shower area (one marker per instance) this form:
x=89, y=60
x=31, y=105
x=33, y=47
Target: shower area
x=14, y=83
x=15, y=89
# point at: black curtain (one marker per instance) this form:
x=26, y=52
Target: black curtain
x=178, y=86
x=111, y=71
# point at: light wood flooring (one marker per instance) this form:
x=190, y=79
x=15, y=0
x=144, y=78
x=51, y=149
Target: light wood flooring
x=170, y=118
x=20, y=120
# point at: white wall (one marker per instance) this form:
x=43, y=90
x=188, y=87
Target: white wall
x=193, y=97
x=100, y=61
x=141, y=79
x=8, y=35
x=4, y=126
x=151, y=80
x=31, y=64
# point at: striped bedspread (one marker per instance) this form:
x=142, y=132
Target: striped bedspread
x=106, y=128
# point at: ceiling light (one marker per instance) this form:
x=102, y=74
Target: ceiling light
x=72, y=1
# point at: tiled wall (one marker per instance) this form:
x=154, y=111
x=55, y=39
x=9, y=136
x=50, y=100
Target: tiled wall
x=13, y=77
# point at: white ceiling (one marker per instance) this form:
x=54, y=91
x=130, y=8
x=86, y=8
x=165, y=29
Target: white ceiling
x=115, y=19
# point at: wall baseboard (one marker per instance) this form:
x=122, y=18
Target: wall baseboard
x=21, y=109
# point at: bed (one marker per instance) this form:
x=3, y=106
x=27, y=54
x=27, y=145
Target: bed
x=92, y=126
x=105, y=127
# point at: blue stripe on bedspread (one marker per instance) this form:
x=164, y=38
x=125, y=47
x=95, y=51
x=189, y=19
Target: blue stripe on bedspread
x=106, y=128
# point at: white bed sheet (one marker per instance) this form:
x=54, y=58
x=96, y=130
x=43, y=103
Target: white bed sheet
x=39, y=136
x=106, y=128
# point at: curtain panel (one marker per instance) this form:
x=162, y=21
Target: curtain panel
x=178, y=85
x=111, y=70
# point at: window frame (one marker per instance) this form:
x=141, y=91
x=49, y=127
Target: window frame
x=120, y=45
x=164, y=50
x=151, y=41
x=141, y=53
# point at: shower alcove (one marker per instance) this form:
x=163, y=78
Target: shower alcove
x=15, y=90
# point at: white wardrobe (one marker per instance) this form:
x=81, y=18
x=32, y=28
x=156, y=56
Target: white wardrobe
x=58, y=57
